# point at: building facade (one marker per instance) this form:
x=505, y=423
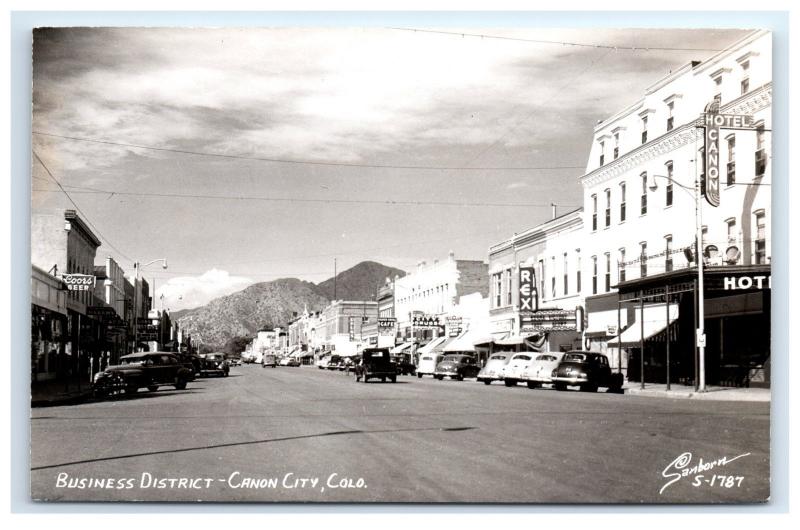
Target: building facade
x=640, y=221
x=343, y=323
x=535, y=298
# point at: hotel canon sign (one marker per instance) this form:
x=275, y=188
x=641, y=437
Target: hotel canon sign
x=712, y=121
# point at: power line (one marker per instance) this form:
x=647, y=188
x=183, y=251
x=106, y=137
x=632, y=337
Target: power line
x=85, y=217
x=561, y=43
x=299, y=162
x=387, y=202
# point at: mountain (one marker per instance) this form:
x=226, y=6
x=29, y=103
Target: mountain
x=359, y=282
x=270, y=304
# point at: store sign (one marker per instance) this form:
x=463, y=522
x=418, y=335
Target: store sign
x=548, y=320
x=528, y=297
x=79, y=282
x=454, y=326
x=352, y=328
x=101, y=312
x=426, y=322
x=712, y=122
x=373, y=340
x=386, y=323
x=730, y=283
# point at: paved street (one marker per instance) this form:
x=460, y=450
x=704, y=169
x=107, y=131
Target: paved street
x=419, y=440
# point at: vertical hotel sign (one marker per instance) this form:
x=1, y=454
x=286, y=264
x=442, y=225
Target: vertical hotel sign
x=712, y=121
x=528, y=297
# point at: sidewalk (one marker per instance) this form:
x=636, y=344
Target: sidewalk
x=52, y=393
x=715, y=393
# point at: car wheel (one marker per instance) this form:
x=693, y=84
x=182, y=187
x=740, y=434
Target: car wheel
x=180, y=384
x=532, y=384
x=439, y=377
x=419, y=375
x=487, y=381
x=560, y=386
x=131, y=389
x=459, y=378
x=100, y=392
x=394, y=379
x=589, y=387
x=152, y=388
x=510, y=382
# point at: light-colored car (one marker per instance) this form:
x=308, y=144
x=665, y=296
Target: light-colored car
x=285, y=361
x=323, y=361
x=493, y=371
x=512, y=372
x=427, y=364
x=540, y=370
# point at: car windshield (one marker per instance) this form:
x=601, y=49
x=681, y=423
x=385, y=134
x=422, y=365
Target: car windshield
x=575, y=358
x=522, y=357
x=427, y=358
x=546, y=358
x=498, y=358
x=451, y=359
x=133, y=360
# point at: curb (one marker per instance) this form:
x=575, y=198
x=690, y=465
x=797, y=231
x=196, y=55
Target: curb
x=720, y=395
x=65, y=400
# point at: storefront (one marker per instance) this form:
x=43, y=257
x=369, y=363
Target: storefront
x=48, y=326
x=660, y=340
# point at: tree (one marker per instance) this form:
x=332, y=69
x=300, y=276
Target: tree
x=236, y=345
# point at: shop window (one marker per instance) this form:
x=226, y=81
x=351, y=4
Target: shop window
x=622, y=202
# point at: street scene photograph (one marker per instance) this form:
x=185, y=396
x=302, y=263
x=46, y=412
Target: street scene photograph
x=407, y=264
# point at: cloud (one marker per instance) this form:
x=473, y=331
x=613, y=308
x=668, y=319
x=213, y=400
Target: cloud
x=192, y=291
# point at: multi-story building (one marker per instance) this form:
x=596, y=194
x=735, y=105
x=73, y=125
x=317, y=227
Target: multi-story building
x=342, y=325
x=640, y=198
x=48, y=325
x=425, y=297
x=535, y=298
x=381, y=331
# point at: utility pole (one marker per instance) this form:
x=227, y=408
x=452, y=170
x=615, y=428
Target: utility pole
x=334, y=278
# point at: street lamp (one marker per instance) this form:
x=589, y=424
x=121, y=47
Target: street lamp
x=136, y=268
x=700, y=335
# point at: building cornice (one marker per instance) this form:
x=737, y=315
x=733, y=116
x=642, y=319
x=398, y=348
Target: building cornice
x=749, y=103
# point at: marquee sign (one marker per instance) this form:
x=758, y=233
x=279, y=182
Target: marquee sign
x=548, y=320
x=528, y=297
x=386, y=323
x=426, y=322
x=79, y=282
x=712, y=121
x=454, y=326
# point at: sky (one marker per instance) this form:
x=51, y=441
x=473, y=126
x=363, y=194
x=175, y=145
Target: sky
x=246, y=155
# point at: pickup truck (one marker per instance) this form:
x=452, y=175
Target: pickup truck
x=376, y=363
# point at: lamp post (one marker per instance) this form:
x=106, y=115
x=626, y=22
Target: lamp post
x=700, y=336
x=137, y=267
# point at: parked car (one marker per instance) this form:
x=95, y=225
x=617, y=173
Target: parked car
x=138, y=370
x=214, y=363
x=191, y=362
x=493, y=370
x=404, y=364
x=427, y=364
x=333, y=363
x=457, y=367
x=293, y=362
x=323, y=361
x=588, y=370
x=376, y=363
x=269, y=360
x=236, y=361
x=512, y=372
x=540, y=370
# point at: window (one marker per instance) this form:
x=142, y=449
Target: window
x=644, y=129
x=616, y=146
x=594, y=213
x=622, y=265
x=578, y=270
x=541, y=278
x=553, y=279
x=761, y=153
x=670, y=117
x=509, y=280
x=669, y=183
x=668, y=252
x=731, y=160
x=745, y=83
x=761, y=239
x=498, y=286
x=566, y=275
x=602, y=152
x=643, y=259
x=594, y=274
x=644, y=193
x=731, y=228
x=608, y=208
x=718, y=86
x=622, y=202
x=608, y=271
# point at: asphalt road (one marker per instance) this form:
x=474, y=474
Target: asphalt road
x=254, y=435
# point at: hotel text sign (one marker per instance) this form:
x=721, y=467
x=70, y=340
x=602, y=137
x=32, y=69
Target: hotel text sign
x=712, y=122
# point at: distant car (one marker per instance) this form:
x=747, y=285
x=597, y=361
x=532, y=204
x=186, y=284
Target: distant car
x=427, y=364
x=191, y=362
x=236, y=361
x=214, y=364
x=376, y=363
x=269, y=360
x=540, y=370
x=588, y=370
x=138, y=370
x=284, y=361
x=512, y=372
x=294, y=362
x=493, y=371
x=323, y=361
x=333, y=363
x=404, y=364
x=457, y=367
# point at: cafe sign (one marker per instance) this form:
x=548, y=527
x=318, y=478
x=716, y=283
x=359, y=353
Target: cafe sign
x=79, y=282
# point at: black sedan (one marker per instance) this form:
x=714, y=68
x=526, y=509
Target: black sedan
x=457, y=367
x=587, y=370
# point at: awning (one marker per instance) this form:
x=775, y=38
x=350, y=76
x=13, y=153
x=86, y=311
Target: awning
x=304, y=354
x=441, y=347
x=431, y=345
x=513, y=340
x=400, y=349
x=486, y=339
x=601, y=321
x=655, y=320
x=464, y=342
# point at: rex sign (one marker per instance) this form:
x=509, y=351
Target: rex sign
x=712, y=122
x=528, y=297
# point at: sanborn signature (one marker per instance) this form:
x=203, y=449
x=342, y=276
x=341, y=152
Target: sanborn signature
x=681, y=468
